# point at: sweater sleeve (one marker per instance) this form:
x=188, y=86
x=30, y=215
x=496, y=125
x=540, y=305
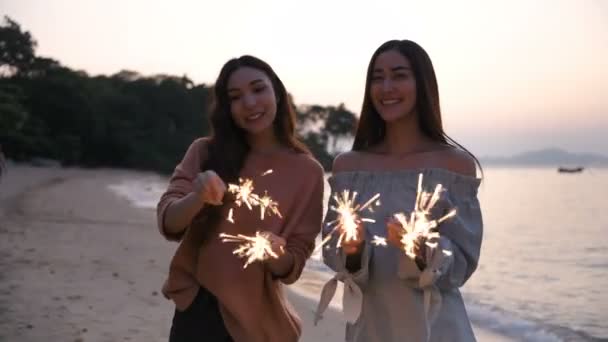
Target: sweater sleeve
x=458, y=246
x=180, y=184
x=304, y=223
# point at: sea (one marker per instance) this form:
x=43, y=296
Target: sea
x=543, y=271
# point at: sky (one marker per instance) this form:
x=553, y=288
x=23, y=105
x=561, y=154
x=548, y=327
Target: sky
x=513, y=75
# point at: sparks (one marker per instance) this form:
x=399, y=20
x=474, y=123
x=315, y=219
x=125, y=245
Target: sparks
x=379, y=241
x=253, y=248
x=267, y=172
x=265, y=202
x=244, y=193
x=419, y=228
x=348, y=218
x=231, y=215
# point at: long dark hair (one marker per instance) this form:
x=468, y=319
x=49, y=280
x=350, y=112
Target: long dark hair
x=371, y=128
x=227, y=148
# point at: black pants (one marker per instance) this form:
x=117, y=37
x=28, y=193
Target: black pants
x=201, y=321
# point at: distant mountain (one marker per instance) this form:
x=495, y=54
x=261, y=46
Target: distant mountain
x=552, y=157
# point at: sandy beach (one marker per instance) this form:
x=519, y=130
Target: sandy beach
x=80, y=263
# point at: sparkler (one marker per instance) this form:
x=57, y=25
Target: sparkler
x=348, y=217
x=254, y=248
x=258, y=247
x=420, y=228
x=265, y=202
x=244, y=193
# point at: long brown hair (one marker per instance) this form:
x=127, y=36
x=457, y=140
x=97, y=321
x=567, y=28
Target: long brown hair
x=371, y=128
x=228, y=147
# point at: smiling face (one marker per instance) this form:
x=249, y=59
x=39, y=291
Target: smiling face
x=393, y=86
x=253, y=103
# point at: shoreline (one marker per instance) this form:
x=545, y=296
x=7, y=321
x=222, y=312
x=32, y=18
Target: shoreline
x=78, y=262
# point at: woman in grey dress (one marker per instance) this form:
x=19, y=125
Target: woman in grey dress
x=388, y=295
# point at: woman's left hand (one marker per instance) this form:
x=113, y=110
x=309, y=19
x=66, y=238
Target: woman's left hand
x=277, y=243
x=284, y=262
x=394, y=231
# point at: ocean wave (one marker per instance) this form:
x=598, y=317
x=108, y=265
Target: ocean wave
x=521, y=329
x=143, y=193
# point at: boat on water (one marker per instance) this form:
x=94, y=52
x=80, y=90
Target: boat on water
x=570, y=169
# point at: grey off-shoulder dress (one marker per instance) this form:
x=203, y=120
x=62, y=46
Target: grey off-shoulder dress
x=389, y=298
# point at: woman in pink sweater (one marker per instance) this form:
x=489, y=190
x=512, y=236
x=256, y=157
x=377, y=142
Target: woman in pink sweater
x=390, y=295
x=216, y=298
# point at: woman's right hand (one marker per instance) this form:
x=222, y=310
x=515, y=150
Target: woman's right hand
x=354, y=246
x=209, y=187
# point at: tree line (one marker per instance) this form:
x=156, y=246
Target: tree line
x=124, y=120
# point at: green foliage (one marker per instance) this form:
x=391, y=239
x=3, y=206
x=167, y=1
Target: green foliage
x=322, y=128
x=16, y=48
x=124, y=120
x=12, y=114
